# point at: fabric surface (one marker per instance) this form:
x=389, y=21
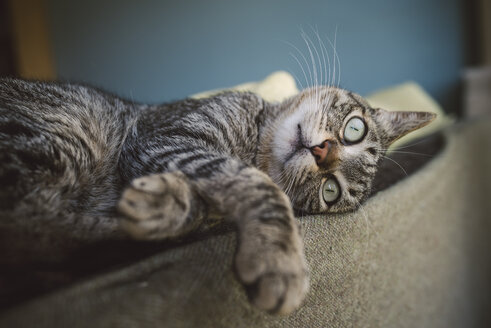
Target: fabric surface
x=416, y=255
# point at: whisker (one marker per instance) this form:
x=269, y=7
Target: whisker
x=368, y=227
x=301, y=65
x=316, y=32
x=328, y=73
x=315, y=82
x=336, y=61
x=365, y=217
x=337, y=56
x=320, y=82
x=407, y=152
x=299, y=83
x=413, y=144
x=395, y=163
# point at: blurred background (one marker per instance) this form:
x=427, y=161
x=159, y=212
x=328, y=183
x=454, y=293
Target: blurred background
x=156, y=51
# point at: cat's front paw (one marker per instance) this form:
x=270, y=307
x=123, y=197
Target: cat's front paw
x=275, y=277
x=156, y=206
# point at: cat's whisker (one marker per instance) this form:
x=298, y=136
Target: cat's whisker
x=301, y=175
x=283, y=179
x=395, y=162
x=300, y=64
x=367, y=221
x=407, y=152
x=286, y=179
x=301, y=67
x=290, y=184
x=334, y=79
x=315, y=82
x=338, y=60
x=316, y=31
x=327, y=61
x=316, y=62
x=279, y=179
x=298, y=177
x=319, y=62
x=336, y=57
x=308, y=62
x=326, y=69
x=296, y=79
x=411, y=144
x=367, y=243
x=294, y=179
x=289, y=187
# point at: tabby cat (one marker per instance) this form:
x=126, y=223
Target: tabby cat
x=77, y=163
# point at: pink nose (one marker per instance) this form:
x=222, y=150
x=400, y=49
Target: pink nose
x=320, y=152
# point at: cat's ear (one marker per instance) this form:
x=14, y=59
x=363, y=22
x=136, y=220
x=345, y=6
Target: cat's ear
x=394, y=125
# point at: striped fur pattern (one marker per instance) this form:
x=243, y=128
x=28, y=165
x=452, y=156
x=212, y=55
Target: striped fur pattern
x=73, y=157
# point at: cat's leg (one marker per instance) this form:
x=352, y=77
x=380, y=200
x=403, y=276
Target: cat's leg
x=160, y=206
x=269, y=259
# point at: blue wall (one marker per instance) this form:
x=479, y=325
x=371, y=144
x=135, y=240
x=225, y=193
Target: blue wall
x=156, y=51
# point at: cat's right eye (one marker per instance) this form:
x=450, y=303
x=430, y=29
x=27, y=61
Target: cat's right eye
x=355, y=130
x=330, y=190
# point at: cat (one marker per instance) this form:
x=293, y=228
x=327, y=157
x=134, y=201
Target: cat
x=77, y=163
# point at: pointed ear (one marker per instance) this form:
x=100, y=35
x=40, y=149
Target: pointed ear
x=395, y=125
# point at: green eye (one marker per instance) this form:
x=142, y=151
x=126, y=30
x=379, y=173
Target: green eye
x=330, y=190
x=354, y=130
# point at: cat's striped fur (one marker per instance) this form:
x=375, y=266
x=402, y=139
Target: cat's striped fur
x=71, y=156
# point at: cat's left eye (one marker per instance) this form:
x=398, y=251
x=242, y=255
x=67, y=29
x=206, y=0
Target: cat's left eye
x=355, y=130
x=330, y=190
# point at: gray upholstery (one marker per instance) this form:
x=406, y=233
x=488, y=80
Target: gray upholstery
x=416, y=255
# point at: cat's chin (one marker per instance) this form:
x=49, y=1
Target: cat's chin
x=300, y=212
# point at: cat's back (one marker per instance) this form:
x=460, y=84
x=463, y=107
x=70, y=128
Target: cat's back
x=60, y=137
x=38, y=101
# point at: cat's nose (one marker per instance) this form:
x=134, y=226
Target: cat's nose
x=320, y=152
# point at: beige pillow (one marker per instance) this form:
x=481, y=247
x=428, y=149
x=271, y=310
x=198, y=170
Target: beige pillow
x=276, y=87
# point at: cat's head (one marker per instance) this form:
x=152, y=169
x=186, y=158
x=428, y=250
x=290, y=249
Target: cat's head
x=324, y=146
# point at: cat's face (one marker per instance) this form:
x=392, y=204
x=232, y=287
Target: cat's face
x=326, y=144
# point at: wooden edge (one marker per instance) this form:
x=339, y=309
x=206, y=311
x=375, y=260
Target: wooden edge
x=31, y=38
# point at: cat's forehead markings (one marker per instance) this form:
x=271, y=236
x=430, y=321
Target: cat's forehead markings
x=299, y=100
x=362, y=106
x=319, y=96
x=333, y=98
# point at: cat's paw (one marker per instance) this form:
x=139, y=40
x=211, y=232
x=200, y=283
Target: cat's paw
x=276, y=278
x=156, y=206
